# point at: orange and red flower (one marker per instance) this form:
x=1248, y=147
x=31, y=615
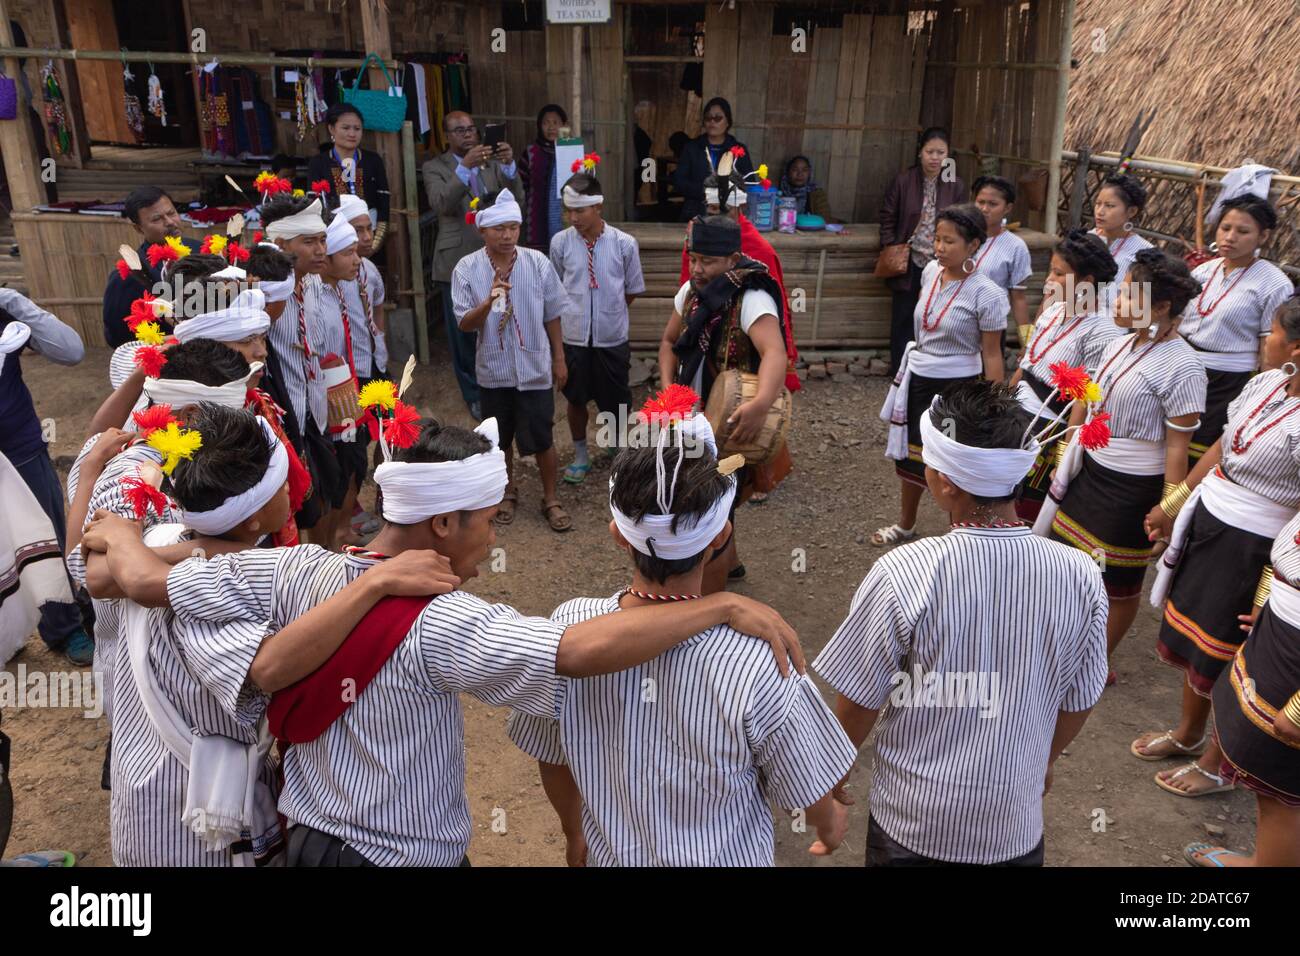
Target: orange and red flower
x=1070, y=381
x=142, y=496
x=674, y=402
x=1095, y=433
x=149, y=420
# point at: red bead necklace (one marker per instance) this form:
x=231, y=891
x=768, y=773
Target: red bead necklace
x=1110, y=389
x=925, y=316
x=1035, y=358
x=1238, y=448
x=1200, y=299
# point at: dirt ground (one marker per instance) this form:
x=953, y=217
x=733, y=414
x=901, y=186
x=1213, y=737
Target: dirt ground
x=842, y=489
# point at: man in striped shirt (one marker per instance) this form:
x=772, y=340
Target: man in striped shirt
x=674, y=762
x=989, y=645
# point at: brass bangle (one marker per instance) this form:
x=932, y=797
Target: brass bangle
x=1175, y=497
x=1292, y=709
x=1026, y=333
x=1265, y=586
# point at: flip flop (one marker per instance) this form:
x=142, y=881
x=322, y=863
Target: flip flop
x=574, y=473
x=1182, y=750
x=1192, y=849
x=43, y=858
x=556, y=516
x=1220, y=785
x=506, y=510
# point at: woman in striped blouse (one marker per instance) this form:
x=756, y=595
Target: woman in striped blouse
x=1069, y=330
x=1257, y=718
x=1154, y=393
x=1118, y=204
x=1228, y=321
x=959, y=321
x=1005, y=257
x=1243, y=490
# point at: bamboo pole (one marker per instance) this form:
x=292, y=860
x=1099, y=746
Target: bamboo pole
x=575, y=107
x=1171, y=168
x=1053, y=202
x=411, y=215
x=196, y=59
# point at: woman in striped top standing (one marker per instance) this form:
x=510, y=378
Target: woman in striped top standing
x=1228, y=321
x=1257, y=718
x=1154, y=394
x=1242, y=491
x=1005, y=257
x=1070, y=329
x=1118, y=203
x=959, y=321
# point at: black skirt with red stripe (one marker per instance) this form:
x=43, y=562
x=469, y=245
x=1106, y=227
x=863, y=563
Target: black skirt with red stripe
x=1221, y=388
x=921, y=392
x=1034, y=490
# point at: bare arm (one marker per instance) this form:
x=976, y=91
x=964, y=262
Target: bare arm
x=559, y=367
x=120, y=565
x=562, y=791
x=857, y=722
x=747, y=420
x=1068, y=725
x=995, y=369
x=1176, y=445
x=110, y=442
x=116, y=409
x=667, y=357
x=1019, y=307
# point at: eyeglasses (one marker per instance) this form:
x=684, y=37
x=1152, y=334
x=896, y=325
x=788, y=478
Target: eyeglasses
x=462, y=130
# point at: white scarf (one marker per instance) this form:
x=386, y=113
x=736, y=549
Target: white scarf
x=178, y=392
x=305, y=223
x=894, y=411
x=576, y=200
x=416, y=491
x=245, y=316
x=224, y=795
x=277, y=290
x=25, y=533
x=985, y=472
x=238, y=508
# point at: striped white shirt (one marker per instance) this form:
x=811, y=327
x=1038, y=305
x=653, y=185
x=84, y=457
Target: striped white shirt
x=974, y=305
x=303, y=382
x=1124, y=250
x=369, y=347
x=1076, y=340
x=1143, y=384
x=597, y=316
x=1014, y=627
x=388, y=777
x=1285, y=556
x=201, y=668
x=676, y=759
x=516, y=353
x=122, y=363
x=1235, y=309
x=1269, y=463
x=1005, y=260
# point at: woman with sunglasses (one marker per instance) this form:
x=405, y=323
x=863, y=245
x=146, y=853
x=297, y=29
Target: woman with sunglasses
x=700, y=157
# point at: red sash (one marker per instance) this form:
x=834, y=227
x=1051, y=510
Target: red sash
x=303, y=711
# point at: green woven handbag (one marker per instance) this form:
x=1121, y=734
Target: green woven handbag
x=381, y=110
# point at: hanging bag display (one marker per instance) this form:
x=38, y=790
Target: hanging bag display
x=382, y=110
x=8, y=98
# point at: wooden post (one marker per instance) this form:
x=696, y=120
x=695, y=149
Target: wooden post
x=374, y=25
x=1058, y=120
x=411, y=217
x=575, y=108
x=73, y=103
x=1080, y=192
x=18, y=146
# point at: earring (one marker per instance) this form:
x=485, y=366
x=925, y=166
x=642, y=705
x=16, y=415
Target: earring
x=1128, y=226
x=1004, y=220
x=1214, y=247
x=1152, y=331
x=969, y=265
x=1258, y=252
x=1289, y=369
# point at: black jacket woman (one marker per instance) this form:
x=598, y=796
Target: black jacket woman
x=700, y=157
x=351, y=169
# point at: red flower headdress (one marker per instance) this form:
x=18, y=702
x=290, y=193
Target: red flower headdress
x=672, y=404
x=321, y=186
x=142, y=496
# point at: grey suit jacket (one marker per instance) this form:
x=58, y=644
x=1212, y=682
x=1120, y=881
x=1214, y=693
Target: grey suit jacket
x=449, y=198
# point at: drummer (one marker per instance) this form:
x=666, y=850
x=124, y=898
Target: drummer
x=729, y=314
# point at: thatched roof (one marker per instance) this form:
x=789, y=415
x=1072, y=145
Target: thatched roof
x=1224, y=77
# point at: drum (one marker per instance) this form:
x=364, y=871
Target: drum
x=731, y=389
x=341, y=393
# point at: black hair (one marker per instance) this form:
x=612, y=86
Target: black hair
x=192, y=275
x=933, y=132
x=721, y=104
x=205, y=361
x=340, y=110
x=968, y=219
x=635, y=493
x=438, y=442
x=140, y=198
x=555, y=108
x=233, y=458
x=1261, y=210
x=677, y=142
x=1088, y=255
x=1003, y=186
x=282, y=207
x=1130, y=189
x=982, y=415
x=1288, y=316
x=584, y=184
x=282, y=160
x=269, y=263
x=794, y=159
x=1167, y=277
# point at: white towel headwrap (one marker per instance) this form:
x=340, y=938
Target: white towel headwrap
x=178, y=392
x=339, y=235
x=305, y=223
x=986, y=472
x=278, y=290
x=576, y=200
x=504, y=210
x=245, y=316
x=416, y=491
x=238, y=508
x=230, y=272
x=352, y=207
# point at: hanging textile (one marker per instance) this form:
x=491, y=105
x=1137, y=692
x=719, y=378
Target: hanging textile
x=131, y=102
x=56, y=116
x=156, y=104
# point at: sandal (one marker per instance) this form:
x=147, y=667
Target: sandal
x=1220, y=785
x=506, y=510
x=556, y=516
x=42, y=858
x=575, y=473
x=1180, y=750
x=1196, y=855
x=894, y=534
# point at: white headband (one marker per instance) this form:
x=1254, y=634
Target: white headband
x=653, y=535
x=736, y=198
x=179, y=392
x=305, y=223
x=245, y=316
x=416, y=491
x=243, y=506
x=278, y=290
x=576, y=200
x=504, y=210
x=352, y=207
x=986, y=472
x=230, y=272
x=339, y=235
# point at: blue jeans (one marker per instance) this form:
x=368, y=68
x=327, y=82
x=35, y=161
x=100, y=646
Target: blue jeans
x=461, y=347
x=58, y=620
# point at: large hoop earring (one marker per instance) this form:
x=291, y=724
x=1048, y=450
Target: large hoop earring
x=1289, y=369
x=969, y=265
x=1258, y=252
x=1214, y=247
x=1128, y=226
x=1004, y=221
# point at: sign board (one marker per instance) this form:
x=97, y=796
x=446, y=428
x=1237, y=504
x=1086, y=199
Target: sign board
x=567, y=151
x=578, y=12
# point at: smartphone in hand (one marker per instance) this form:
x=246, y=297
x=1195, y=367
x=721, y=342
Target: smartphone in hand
x=494, y=134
